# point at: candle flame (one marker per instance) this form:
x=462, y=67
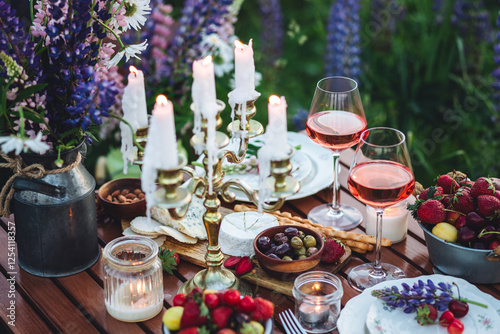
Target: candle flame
x=161, y=99
x=316, y=287
x=238, y=44
x=132, y=69
x=274, y=99
x=207, y=60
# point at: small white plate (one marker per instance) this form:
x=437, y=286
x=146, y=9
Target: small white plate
x=379, y=320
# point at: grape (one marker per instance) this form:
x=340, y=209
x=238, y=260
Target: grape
x=264, y=243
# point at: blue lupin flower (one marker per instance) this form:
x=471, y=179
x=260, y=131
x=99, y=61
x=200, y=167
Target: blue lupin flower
x=342, y=49
x=272, y=30
x=496, y=72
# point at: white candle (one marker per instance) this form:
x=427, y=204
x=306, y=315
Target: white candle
x=314, y=314
x=165, y=140
x=205, y=106
x=394, y=222
x=137, y=91
x=278, y=126
x=133, y=305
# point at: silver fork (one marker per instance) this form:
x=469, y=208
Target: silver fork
x=290, y=323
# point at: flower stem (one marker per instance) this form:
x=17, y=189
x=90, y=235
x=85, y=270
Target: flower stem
x=111, y=31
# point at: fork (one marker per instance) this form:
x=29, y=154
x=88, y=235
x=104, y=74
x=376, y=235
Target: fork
x=290, y=323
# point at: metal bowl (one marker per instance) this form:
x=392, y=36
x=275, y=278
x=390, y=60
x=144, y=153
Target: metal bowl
x=268, y=327
x=474, y=265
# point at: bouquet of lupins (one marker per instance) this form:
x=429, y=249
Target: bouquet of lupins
x=59, y=80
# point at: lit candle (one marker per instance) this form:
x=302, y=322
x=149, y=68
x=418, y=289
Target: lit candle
x=278, y=126
x=314, y=314
x=394, y=222
x=135, y=88
x=163, y=126
x=205, y=106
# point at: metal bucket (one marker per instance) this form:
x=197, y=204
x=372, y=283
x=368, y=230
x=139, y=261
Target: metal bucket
x=474, y=265
x=55, y=217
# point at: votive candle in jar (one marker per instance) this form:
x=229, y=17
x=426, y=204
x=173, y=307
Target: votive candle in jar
x=394, y=221
x=317, y=301
x=133, y=279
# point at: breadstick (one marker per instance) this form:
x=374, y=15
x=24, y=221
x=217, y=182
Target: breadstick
x=328, y=230
x=358, y=250
x=357, y=244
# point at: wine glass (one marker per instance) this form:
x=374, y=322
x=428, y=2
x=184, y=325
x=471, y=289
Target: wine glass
x=335, y=121
x=380, y=176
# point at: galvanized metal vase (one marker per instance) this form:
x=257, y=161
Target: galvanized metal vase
x=55, y=216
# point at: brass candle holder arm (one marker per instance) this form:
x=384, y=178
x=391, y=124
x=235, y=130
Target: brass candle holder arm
x=252, y=195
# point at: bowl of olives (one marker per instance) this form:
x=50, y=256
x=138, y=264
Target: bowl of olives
x=286, y=251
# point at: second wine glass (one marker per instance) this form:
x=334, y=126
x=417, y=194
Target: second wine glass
x=335, y=121
x=380, y=176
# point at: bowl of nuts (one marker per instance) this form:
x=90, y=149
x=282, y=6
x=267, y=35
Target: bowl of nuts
x=286, y=251
x=123, y=198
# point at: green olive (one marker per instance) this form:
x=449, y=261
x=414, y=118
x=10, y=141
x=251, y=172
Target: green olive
x=302, y=257
x=302, y=235
x=309, y=241
x=296, y=242
x=300, y=251
x=287, y=258
x=311, y=251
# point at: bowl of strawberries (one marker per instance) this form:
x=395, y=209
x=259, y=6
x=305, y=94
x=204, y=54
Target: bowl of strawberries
x=461, y=223
x=218, y=312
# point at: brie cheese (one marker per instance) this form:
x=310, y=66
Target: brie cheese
x=239, y=229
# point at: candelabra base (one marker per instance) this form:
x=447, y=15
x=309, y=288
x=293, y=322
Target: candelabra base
x=216, y=279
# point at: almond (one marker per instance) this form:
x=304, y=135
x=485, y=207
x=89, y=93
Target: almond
x=116, y=193
x=122, y=199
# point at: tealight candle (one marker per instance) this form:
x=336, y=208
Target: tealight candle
x=394, y=222
x=133, y=279
x=314, y=314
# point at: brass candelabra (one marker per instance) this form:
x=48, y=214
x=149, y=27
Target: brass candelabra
x=175, y=194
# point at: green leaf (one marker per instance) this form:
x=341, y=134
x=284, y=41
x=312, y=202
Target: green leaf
x=29, y=91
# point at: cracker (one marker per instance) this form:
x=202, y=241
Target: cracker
x=179, y=236
x=145, y=226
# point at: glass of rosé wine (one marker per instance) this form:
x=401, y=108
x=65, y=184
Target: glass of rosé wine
x=335, y=121
x=380, y=176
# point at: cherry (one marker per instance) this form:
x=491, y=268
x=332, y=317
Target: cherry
x=474, y=220
x=446, y=318
x=486, y=234
x=458, y=307
x=460, y=222
x=466, y=236
x=456, y=327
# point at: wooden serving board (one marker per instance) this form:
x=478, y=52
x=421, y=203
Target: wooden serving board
x=195, y=254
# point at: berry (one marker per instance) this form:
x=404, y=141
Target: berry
x=252, y=327
x=211, y=300
x=192, y=315
x=448, y=184
x=264, y=309
x=482, y=186
x=430, y=193
x=446, y=318
x=193, y=330
x=232, y=261
x=232, y=297
x=456, y=327
x=246, y=304
x=426, y=314
x=474, y=220
x=226, y=331
x=332, y=251
x=458, y=308
x=488, y=206
x=244, y=266
x=179, y=299
x=466, y=236
x=220, y=316
x=431, y=212
x=460, y=222
x=462, y=201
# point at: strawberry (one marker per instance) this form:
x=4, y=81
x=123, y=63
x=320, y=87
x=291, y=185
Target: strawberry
x=466, y=183
x=497, y=194
x=332, y=251
x=193, y=315
x=431, y=212
x=426, y=314
x=452, y=216
x=246, y=305
x=448, y=184
x=446, y=200
x=462, y=201
x=232, y=297
x=488, y=206
x=179, y=299
x=226, y=331
x=456, y=327
x=244, y=266
x=169, y=259
x=264, y=309
x=194, y=330
x=211, y=300
x=232, y=261
x=220, y=316
x=446, y=318
x=431, y=192
x=482, y=186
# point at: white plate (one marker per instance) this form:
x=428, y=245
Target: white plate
x=320, y=175
x=360, y=307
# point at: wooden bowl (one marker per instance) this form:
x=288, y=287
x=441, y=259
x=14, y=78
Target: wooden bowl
x=126, y=211
x=287, y=270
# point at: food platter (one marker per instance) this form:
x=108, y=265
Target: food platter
x=380, y=320
x=312, y=167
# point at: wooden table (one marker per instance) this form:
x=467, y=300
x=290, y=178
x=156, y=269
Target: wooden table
x=75, y=304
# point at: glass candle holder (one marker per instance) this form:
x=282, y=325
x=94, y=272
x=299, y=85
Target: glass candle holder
x=394, y=224
x=317, y=301
x=133, y=279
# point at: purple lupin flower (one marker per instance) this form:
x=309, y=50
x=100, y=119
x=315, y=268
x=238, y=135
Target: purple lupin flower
x=342, y=49
x=272, y=30
x=496, y=72
x=472, y=20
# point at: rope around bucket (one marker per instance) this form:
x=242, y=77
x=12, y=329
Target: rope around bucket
x=19, y=168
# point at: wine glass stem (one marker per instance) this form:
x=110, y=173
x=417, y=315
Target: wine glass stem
x=378, y=243
x=336, y=185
